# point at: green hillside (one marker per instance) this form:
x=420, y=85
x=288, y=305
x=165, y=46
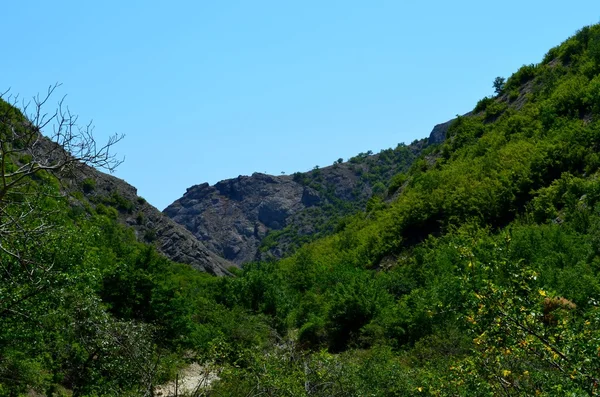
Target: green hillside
x=86, y=309
x=479, y=278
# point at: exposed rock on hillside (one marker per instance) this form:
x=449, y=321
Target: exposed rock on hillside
x=149, y=224
x=438, y=134
x=440, y=131
x=236, y=214
x=234, y=217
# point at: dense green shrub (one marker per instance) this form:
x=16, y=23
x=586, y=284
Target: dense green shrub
x=88, y=185
x=482, y=104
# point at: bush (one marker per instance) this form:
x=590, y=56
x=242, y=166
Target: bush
x=494, y=110
x=140, y=218
x=111, y=212
x=301, y=178
x=378, y=189
x=523, y=75
x=150, y=235
x=482, y=104
x=396, y=182
x=119, y=202
x=88, y=185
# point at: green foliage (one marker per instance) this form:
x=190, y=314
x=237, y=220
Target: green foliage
x=88, y=185
x=396, y=182
x=379, y=189
x=526, y=340
x=360, y=158
x=301, y=178
x=150, y=235
x=111, y=212
x=525, y=74
x=482, y=104
x=480, y=278
x=140, y=218
x=482, y=240
x=352, y=306
x=494, y=110
x=499, y=85
x=119, y=202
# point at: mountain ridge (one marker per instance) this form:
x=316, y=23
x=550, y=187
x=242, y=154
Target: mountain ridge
x=261, y=216
x=149, y=224
x=472, y=270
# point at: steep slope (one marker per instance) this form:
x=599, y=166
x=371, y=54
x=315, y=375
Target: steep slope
x=105, y=191
x=90, y=303
x=93, y=190
x=263, y=216
x=480, y=278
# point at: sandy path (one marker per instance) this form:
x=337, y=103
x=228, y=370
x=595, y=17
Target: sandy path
x=192, y=379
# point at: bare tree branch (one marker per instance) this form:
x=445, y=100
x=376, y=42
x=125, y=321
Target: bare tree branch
x=36, y=143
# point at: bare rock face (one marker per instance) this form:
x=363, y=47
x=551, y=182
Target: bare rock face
x=440, y=131
x=233, y=217
x=438, y=134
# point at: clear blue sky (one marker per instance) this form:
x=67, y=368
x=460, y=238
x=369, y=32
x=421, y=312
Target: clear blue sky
x=209, y=90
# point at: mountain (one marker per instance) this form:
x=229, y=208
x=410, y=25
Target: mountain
x=263, y=216
x=94, y=191
x=96, y=285
x=473, y=270
x=479, y=277
x=103, y=191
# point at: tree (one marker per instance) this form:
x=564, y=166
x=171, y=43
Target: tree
x=499, y=85
x=32, y=170
x=526, y=341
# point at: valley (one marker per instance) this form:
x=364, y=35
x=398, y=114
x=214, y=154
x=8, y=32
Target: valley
x=463, y=264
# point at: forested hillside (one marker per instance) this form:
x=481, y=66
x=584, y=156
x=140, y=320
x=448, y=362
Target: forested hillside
x=108, y=195
x=85, y=308
x=479, y=278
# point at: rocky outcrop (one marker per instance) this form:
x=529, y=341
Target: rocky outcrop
x=440, y=131
x=438, y=134
x=233, y=217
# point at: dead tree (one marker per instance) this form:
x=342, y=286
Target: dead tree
x=37, y=147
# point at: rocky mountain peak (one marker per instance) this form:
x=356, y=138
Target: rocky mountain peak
x=234, y=217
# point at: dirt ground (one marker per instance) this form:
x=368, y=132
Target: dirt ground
x=191, y=380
